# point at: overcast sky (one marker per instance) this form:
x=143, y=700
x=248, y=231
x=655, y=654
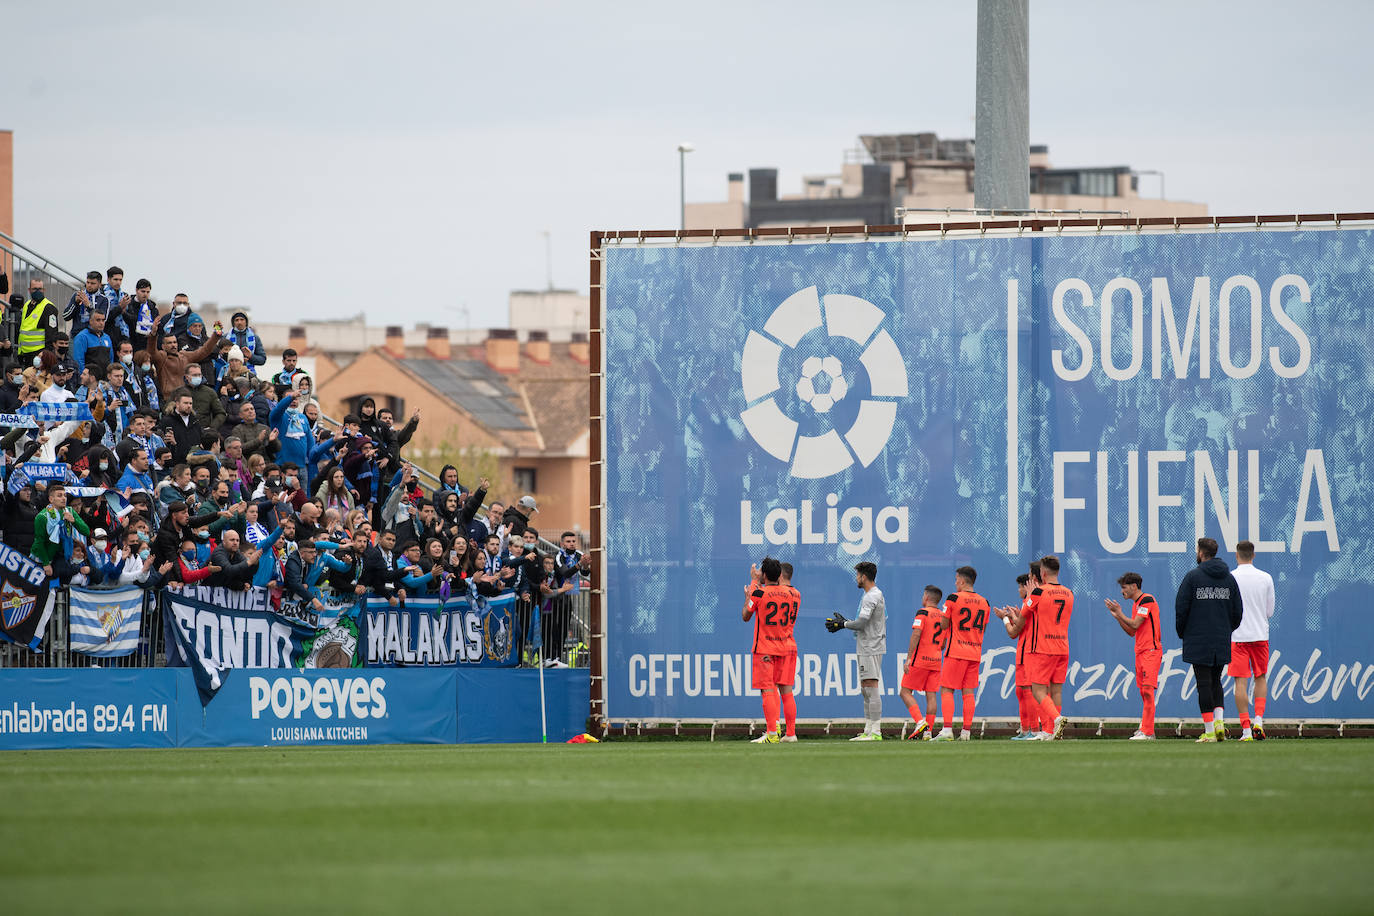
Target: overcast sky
x=308, y=160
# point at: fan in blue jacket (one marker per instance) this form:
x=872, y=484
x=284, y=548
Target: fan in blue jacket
x=304, y=569
x=293, y=434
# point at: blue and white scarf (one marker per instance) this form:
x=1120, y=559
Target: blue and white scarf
x=256, y=533
x=46, y=471
x=19, y=421
x=57, y=412
x=297, y=424
x=150, y=391
x=250, y=342
x=145, y=319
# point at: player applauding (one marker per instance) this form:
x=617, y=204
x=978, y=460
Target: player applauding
x=773, y=608
x=1047, y=615
x=1016, y=629
x=923, y=659
x=1143, y=625
x=966, y=614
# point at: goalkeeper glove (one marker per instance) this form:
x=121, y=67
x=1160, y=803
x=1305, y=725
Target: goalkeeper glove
x=835, y=623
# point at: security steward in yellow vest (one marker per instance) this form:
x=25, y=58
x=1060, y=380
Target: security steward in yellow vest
x=37, y=325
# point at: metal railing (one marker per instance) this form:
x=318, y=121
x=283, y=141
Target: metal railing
x=993, y=212
x=564, y=634
x=16, y=250
x=23, y=264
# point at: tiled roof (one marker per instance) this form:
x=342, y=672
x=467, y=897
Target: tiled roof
x=480, y=390
x=556, y=392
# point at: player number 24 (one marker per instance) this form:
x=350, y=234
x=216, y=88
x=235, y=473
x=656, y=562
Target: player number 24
x=979, y=623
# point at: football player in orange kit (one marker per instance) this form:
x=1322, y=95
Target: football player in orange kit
x=1016, y=629
x=923, y=659
x=966, y=615
x=773, y=607
x=1047, y=614
x=1143, y=626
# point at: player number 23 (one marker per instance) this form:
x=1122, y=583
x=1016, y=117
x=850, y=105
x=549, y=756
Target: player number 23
x=788, y=613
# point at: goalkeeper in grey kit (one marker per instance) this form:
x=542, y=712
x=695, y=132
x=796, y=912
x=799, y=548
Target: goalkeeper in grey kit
x=870, y=634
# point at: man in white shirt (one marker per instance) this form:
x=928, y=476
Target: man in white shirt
x=870, y=635
x=1250, y=641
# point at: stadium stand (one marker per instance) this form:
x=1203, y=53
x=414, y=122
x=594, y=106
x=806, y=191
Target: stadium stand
x=176, y=462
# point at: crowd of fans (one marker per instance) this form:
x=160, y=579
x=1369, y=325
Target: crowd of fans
x=195, y=469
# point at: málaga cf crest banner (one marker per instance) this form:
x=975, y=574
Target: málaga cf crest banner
x=466, y=630
x=105, y=622
x=932, y=403
x=25, y=599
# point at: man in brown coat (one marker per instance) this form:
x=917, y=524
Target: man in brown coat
x=171, y=362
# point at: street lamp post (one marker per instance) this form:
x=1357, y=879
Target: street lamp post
x=683, y=149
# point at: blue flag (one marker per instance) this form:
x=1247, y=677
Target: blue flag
x=213, y=630
x=106, y=623
x=535, y=638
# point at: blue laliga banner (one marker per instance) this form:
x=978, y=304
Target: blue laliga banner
x=931, y=403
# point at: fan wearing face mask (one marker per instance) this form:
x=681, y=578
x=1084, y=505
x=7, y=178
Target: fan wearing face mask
x=37, y=323
x=132, y=563
x=171, y=361
x=174, y=322
x=9, y=391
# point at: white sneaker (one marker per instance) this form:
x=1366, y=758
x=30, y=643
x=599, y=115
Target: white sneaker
x=766, y=738
x=1059, y=723
x=1040, y=736
x=1141, y=736
x=788, y=739
x=965, y=735
x=555, y=663
x=868, y=736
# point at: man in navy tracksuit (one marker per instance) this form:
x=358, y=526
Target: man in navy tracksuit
x=1206, y=609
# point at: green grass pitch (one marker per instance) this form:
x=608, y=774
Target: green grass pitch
x=822, y=826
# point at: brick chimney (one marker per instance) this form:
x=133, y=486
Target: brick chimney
x=396, y=340
x=579, y=349
x=295, y=339
x=735, y=188
x=503, y=350
x=437, y=345
x=537, y=347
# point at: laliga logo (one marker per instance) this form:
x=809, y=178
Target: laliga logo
x=822, y=384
